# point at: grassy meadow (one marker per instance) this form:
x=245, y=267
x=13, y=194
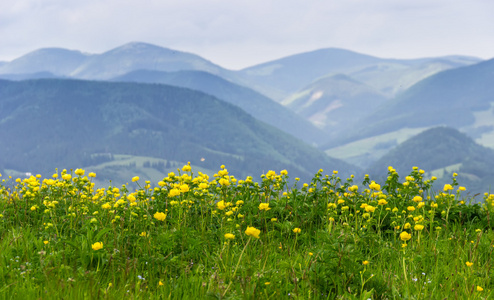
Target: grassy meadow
x=190, y=236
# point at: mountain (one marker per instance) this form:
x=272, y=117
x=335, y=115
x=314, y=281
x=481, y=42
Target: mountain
x=392, y=77
x=276, y=79
x=461, y=98
x=280, y=78
x=119, y=61
x=139, y=56
x=334, y=102
x=25, y=76
x=259, y=106
x=441, y=151
x=53, y=123
x=56, y=61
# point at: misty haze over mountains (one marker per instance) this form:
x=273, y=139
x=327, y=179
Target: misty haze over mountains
x=355, y=107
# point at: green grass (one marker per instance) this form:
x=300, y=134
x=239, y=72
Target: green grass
x=196, y=237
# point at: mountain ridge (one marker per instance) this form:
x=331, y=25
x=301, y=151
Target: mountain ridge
x=249, y=100
x=71, y=120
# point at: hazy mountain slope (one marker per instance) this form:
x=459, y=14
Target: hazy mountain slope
x=435, y=150
x=259, y=106
x=279, y=78
x=334, y=102
x=138, y=56
x=393, y=77
x=25, y=76
x=57, y=61
x=276, y=79
x=46, y=124
x=451, y=98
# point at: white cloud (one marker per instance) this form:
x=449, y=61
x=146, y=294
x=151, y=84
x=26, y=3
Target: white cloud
x=244, y=32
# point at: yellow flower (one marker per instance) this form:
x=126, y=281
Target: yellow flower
x=252, y=231
x=135, y=178
x=97, y=246
x=229, y=236
x=407, y=225
x=174, y=192
x=106, y=206
x=420, y=205
x=264, y=206
x=160, y=216
x=405, y=236
x=45, y=242
x=417, y=199
x=143, y=234
x=66, y=176
x=161, y=283
x=374, y=186
x=79, y=172
x=365, y=262
x=479, y=289
x=221, y=205
x=297, y=230
x=418, y=227
x=224, y=182
x=184, y=188
x=469, y=264
x=382, y=202
x=92, y=174
x=131, y=198
x=447, y=187
x=370, y=208
x=462, y=188
x=186, y=168
x=410, y=208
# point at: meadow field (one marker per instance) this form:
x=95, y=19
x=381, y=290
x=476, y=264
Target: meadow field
x=190, y=236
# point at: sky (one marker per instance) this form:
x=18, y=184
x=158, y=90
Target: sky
x=239, y=33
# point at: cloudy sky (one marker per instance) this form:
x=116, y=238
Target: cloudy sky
x=241, y=33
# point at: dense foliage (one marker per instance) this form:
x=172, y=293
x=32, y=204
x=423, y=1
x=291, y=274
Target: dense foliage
x=193, y=237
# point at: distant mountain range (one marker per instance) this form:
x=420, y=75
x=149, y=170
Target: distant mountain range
x=461, y=98
x=282, y=80
x=53, y=123
x=355, y=107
